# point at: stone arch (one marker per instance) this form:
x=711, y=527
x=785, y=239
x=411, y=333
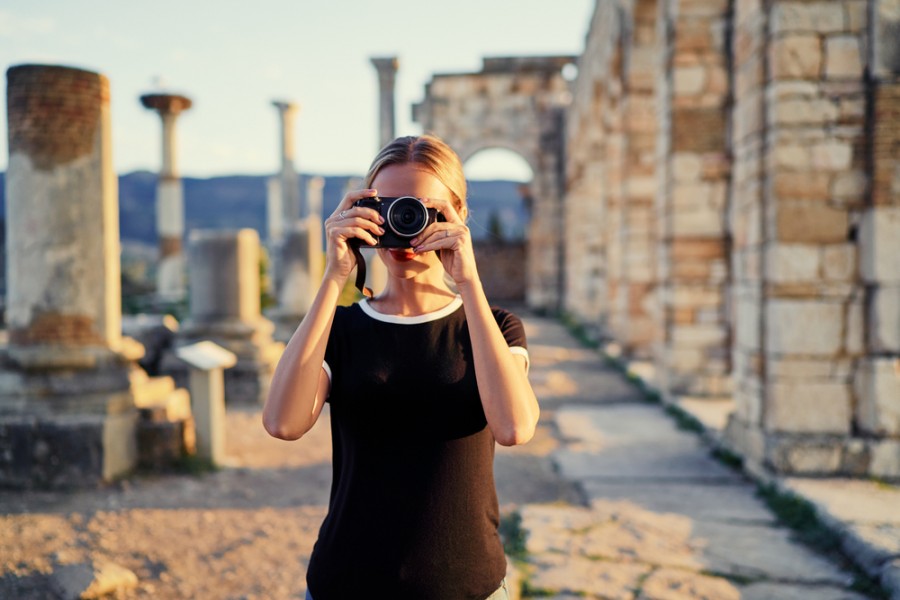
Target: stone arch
x=515, y=103
x=475, y=155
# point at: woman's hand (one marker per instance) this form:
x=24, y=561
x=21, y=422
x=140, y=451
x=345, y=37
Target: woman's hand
x=453, y=238
x=347, y=222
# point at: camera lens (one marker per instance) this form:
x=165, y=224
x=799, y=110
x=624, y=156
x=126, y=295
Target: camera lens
x=407, y=216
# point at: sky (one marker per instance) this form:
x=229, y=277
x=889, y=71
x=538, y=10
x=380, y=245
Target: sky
x=232, y=58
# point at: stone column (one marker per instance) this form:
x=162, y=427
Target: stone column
x=692, y=356
x=877, y=380
x=807, y=247
x=315, y=188
x=169, y=199
x=67, y=414
x=387, y=74
x=274, y=211
x=225, y=309
x=290, y=190
x=639, y=294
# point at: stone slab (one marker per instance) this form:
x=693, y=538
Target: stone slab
x=733, y=502
x=850, y=500
x=788, y=591
x=763, y=551
x=641, y=464
x=632, y=442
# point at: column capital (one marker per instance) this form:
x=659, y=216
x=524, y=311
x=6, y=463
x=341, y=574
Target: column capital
x=166, y=103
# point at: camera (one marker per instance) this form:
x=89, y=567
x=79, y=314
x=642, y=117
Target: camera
x=404, y=218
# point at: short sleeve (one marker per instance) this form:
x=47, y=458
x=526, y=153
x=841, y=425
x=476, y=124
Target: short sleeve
x=513, y=332
x=332, y=350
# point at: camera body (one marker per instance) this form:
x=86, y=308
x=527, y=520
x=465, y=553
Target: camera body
x=405, y=217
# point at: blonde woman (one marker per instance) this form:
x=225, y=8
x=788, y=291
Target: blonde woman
x=422, y=380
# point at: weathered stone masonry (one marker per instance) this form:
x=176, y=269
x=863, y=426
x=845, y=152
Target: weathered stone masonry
x=516, y=103
x=67, y=412
x=776, y=223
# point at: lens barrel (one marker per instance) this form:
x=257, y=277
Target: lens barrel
x=407, y=216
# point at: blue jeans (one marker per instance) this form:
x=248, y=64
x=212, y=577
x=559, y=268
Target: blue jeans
x=501, y=594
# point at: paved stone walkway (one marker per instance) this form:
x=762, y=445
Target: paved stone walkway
x=663, y=518
x=616, y=501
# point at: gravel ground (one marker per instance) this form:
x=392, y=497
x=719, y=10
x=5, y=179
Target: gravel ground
x=244, y=531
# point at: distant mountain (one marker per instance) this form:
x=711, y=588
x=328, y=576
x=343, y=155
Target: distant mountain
x=237, y=201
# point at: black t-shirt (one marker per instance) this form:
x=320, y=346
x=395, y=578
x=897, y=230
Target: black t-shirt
x=413, y=510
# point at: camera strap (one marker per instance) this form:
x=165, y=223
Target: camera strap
x=361, y=272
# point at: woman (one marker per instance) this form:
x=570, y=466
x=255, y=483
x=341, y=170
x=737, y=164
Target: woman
x=422, y=380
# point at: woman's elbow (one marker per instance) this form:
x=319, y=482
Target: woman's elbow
x=515, y=435
x=279, y=430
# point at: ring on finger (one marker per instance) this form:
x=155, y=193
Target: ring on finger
x=343, y=214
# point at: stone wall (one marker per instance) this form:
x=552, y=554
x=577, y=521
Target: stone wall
x=741, y=158
x=503, y=269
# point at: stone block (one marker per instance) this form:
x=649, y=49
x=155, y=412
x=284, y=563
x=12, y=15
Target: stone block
x=884, y=320
x=854, y=332
x=849, y=186
x=816, y=111
x=811, y=185
x=689, y=80
x=790, y=263
x=803, y=406
x=843, y=58
x=811, y=222
x=686, y=166
x=747, y=326
x=803, y=17
x=804, y=327
x=879, y=236
x=796, y=56
x=877, y=387
x=839, y=262
x=809, y=458
x=66, y=451
x=702, y=222
x=697, y=335
x=831, y=155
x=788, y=155
x=885, y=460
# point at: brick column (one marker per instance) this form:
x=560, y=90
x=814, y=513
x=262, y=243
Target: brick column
x=693, y=352
x=67, y=413
x=169, y=198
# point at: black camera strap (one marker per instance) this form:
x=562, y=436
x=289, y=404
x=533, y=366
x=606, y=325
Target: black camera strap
x=361, y=271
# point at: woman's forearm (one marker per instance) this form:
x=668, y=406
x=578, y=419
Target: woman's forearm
x=293, y=403
x=510, y=405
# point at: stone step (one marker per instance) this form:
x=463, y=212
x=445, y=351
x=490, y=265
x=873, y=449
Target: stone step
x=167, y=403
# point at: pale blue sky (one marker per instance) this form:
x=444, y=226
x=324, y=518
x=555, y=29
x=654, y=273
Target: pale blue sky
x=233, y=57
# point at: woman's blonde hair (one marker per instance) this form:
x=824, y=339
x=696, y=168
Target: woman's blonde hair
x=432, y=154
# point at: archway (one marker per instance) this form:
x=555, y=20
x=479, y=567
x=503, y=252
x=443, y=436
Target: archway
x=516, y=103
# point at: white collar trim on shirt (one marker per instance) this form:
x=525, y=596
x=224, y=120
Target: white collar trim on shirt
x=414, y=320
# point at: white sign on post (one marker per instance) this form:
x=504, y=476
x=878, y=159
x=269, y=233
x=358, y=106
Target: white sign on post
x=207, y=386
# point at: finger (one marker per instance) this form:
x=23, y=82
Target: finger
x=444, y=239
x=354, y=212
x=350, y=197
x=445, y=207
x=347, y=233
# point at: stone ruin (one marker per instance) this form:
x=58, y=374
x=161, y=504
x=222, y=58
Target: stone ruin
x=717, y=194
x=75, y=408
x=727, y=211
